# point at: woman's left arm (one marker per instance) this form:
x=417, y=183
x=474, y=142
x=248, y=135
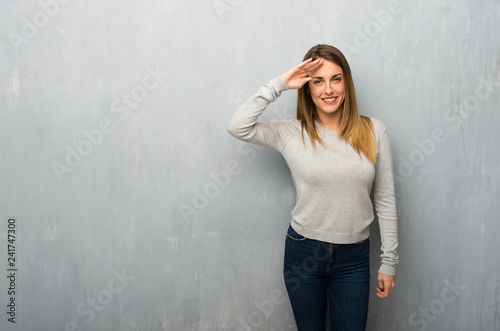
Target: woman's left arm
x=385, y=207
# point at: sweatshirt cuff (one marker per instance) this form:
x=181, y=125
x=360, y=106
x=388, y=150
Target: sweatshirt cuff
x=387, y=270
x=278, y=84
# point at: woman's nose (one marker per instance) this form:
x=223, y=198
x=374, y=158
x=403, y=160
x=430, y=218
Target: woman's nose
x=329, y=88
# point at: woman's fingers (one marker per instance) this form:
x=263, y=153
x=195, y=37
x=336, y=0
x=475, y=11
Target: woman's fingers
x=309, y=66
x=385, y=285
x=297, y=76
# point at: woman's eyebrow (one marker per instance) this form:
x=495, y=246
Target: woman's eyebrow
x=339, y=74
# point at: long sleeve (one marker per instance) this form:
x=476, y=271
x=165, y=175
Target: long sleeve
x=314, y=215
x=385, y=206
x=244, y=126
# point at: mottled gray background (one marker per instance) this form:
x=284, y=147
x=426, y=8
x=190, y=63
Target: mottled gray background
x=134, y=208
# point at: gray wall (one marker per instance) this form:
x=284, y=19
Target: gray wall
x=135, y=210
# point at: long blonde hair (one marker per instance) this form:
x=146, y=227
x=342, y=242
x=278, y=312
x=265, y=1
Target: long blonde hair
x=354, y=128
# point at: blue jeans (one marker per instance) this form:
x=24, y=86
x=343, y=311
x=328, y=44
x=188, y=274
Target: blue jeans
x=320, y=275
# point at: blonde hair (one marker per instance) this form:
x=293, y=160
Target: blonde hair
x=354, y=128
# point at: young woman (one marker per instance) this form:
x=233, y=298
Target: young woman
x=337, y=158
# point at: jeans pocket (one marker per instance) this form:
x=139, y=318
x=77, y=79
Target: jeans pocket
x=293, y=235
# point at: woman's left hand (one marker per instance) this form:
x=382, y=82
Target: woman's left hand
x=386, y=284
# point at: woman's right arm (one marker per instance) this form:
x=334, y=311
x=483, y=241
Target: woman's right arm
x=244, y=126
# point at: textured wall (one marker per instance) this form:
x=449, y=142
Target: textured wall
x=131, y=208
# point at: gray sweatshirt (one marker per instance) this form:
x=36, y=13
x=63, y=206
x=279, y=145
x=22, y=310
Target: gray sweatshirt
x=333, y=184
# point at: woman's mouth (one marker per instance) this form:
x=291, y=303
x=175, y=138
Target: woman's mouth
x=330, y=100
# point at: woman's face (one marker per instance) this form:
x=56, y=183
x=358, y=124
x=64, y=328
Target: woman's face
x=327, y=89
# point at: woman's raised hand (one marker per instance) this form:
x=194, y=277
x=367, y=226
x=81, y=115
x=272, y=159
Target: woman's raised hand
x=297, y=76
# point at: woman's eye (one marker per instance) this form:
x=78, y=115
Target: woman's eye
x=316, y=82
